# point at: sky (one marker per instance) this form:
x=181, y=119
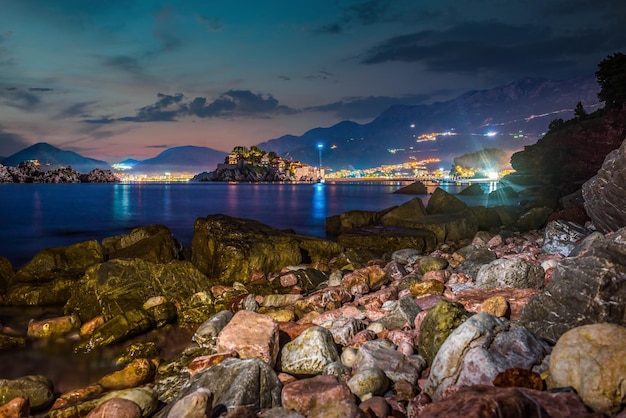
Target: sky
x=121, y=79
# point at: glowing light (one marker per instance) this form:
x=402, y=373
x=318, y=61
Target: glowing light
x=491, y=133
x=493, y=175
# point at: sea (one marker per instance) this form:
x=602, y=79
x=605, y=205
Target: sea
x=38, y=216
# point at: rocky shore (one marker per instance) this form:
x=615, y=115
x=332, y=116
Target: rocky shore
x=29, y=172
x=413, y=312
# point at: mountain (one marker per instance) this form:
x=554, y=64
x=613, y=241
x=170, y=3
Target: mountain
x=507, y=117
x=50, y=157
x=186, y=159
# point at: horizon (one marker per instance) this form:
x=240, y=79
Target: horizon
x=114, y=80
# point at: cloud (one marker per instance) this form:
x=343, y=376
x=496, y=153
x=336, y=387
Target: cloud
x=40, y=89
x=77, y=109
x=11, y=143
x=231, y=104
x=366, y=107
x=124, y=62
x=320, y=75
x=22, y=99
x=163, y=31
x=160, y=146
x=493, y=46
x=368, y=12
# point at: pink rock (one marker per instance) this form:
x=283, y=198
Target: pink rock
x=16, y=407
x=116, y=408
x=398, y=337
x=202, y=362
x=292, y=329
x=473, y=299
x=361, y=337
x=440, y=275
x=251, y=335
x=288, y=280
x=376, y=405
x=377, y=299
x=306, y=394
x=346, y=311
x=419, y=318
x=494, y=242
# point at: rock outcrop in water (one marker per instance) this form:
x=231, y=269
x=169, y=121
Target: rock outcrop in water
x=29, y=172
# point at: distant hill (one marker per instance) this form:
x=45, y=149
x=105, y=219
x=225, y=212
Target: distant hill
x=507, y=117
x=186, y=159
x=51, y=157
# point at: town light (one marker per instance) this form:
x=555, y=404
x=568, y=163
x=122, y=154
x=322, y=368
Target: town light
x=319, y=147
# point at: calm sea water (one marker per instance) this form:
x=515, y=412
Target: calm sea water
x=38, y=216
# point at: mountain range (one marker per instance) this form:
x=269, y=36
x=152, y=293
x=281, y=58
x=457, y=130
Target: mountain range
x=507, y=117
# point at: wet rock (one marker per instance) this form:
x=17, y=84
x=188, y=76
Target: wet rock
x=305, y=394
x=584, y=290
x=279, y=412
x=6, y=272
x=9, y=342
x=53, y=327
x=510, y=272
x=356, y=219
x=309, y=353
x=229, y=249
x=235, y=382
x=427, y=288
x=152, y=243
x=251, y=335
x=368, y=382
x=308, y=279
x=604, y=193
x=383, y=355
x=60, y=262
x=383, y=239
x=137, y=350
x=478, y=350
x=54, y=292
x=116, y=286
x=116, y=407
x=373, y=277
x=489, y=401
x=142, y=396
x=445, y=226
x=163, y=312
x=520, y=378
x=16, y=408
x=38, y=390
x=117, y=329
x=590, y=359
x=440, y=321
x=322, y=300
x=197, y=404
x=376, y=406
x=342, y=409
x=207, y=332
x=561, y=237
x=136, y=373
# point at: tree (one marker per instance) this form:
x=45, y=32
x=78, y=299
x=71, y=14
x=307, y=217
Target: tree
x=555, y=125
x=611, y=76
x=579, y=111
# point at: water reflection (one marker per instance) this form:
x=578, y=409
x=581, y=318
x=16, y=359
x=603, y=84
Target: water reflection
x=318, y=202
x=121, y=202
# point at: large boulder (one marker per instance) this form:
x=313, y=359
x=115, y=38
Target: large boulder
x=590, y=359
x=387, y=239
x=583, y=290
x=479, y=349
x=441, y=202
x=229, y=249
x=412, y=210
x=605, y=193
x=510, y=272
x=115, y=286
x=153, y=243
x=445, y=226
x=414, y=188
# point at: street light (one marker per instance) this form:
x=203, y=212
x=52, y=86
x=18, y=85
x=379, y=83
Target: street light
x=319, y=147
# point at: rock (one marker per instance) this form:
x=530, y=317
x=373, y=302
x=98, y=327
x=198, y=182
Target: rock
x=496, y=306
x=442, y=202
x=197, y=404
x=383, y=355
x=235, y=382
x=411, y=210
x=60, y=262
x=53, y=327
x=414, y=188
x=520, y=378
x=373, y=277
x=345, y=408
x=116, y=286
x=510, y=272
x=116, y=407
x=376, y=406
x=501, y=195
x=478, y=350
x=322, y=300
x=486, y=217
x=138, y=350
x=38, y=390
x=356, y=219
x=309, y=353
x=308, y=279
x=305, y=394
x=445, y=226
x=119, y=328
x=440, y=321
x=473, y=258
x=9, y=342
x=474, y=299
x=17, y=407
x=535, y=218
x=229, y=249
x=279, y=412
x=251, y=335
x=590, y=358
x=341, y=371
x=584, y=290
x=383, y=239
x=427, y=264
x=136, y=373
x=406, y=256
x=152, y=243
x=56, y=291
x=207, y=332
x=98, y=175
x=561, y=237
x=604, y=193
x=6, y=273
x=509, y=214
x=402, y=315
x=343, y=329
x=368, y=382
x=142, y=396
x=472, y=190
x=489, y=401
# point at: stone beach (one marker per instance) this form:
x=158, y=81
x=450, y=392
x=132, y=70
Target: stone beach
x=437, y=311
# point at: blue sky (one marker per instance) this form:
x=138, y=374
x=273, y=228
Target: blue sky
x=122, y=78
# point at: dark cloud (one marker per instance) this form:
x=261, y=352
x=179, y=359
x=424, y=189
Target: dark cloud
x=233, y=103
x=320, y=75
x=213, y=24
x=125, y=63
x=368, y=12
x=160, y=146
x=284, y=77
x=77, y=109
x=19, y=98
x=495, y=47
x=163, y=31
x=366, y=107
x=11, y=143
x=40, y=89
